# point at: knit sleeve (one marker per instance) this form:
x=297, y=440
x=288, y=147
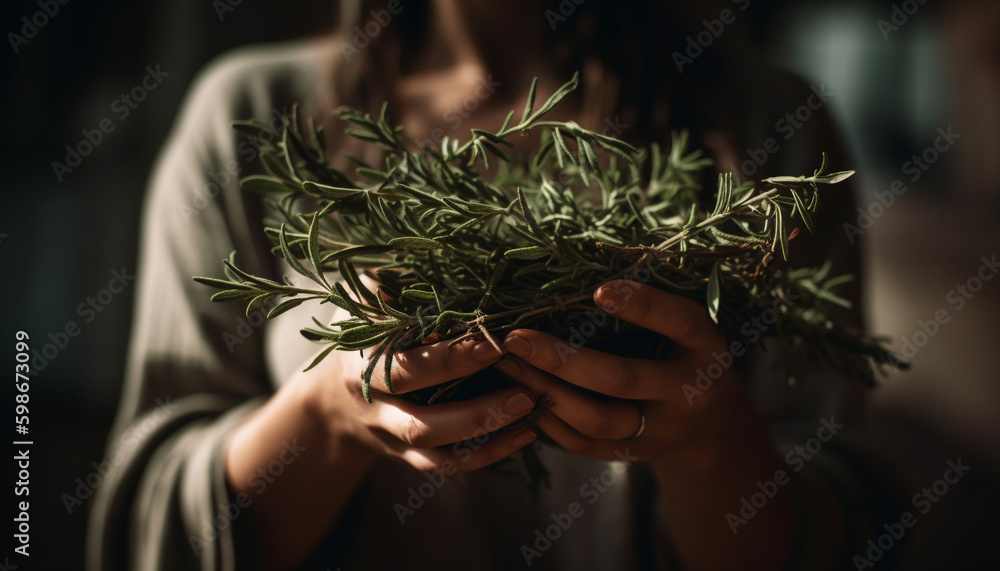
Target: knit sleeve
x=194, y=369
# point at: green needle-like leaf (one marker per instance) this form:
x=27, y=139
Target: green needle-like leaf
x=471, y=239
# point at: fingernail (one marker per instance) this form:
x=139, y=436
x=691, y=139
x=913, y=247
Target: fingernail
x=610, y=299
x=509, y=367
x=524, y=439
x=484, y=352
x=518, y=404
x=519, y=346
x=609, y=296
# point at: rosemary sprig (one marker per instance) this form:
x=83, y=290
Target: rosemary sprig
x=458, y=253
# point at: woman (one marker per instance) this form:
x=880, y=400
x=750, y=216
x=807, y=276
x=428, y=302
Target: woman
x=257, y=464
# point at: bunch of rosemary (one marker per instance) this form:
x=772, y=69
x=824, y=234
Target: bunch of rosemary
x=459, y=254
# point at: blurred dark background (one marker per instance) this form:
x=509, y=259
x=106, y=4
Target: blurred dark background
x=61, y=240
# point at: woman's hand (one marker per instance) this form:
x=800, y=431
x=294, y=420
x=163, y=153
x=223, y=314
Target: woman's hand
x=430, y=437
x=705, y=442
x=652, y=408
x=322, y=414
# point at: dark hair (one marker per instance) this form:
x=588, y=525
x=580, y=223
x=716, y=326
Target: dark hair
x=633, y=42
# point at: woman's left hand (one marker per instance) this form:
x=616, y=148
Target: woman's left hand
x=687, y=416
x=659, y=406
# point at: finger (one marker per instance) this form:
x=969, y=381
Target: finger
x=683, y=320
x=634, y=379
x=429, y=426
x=573, y=441
x=591, y=417
x=434, y=364
x=464, y=457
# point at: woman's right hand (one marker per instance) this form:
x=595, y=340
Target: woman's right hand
x=428, y=437
x=336, y=436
